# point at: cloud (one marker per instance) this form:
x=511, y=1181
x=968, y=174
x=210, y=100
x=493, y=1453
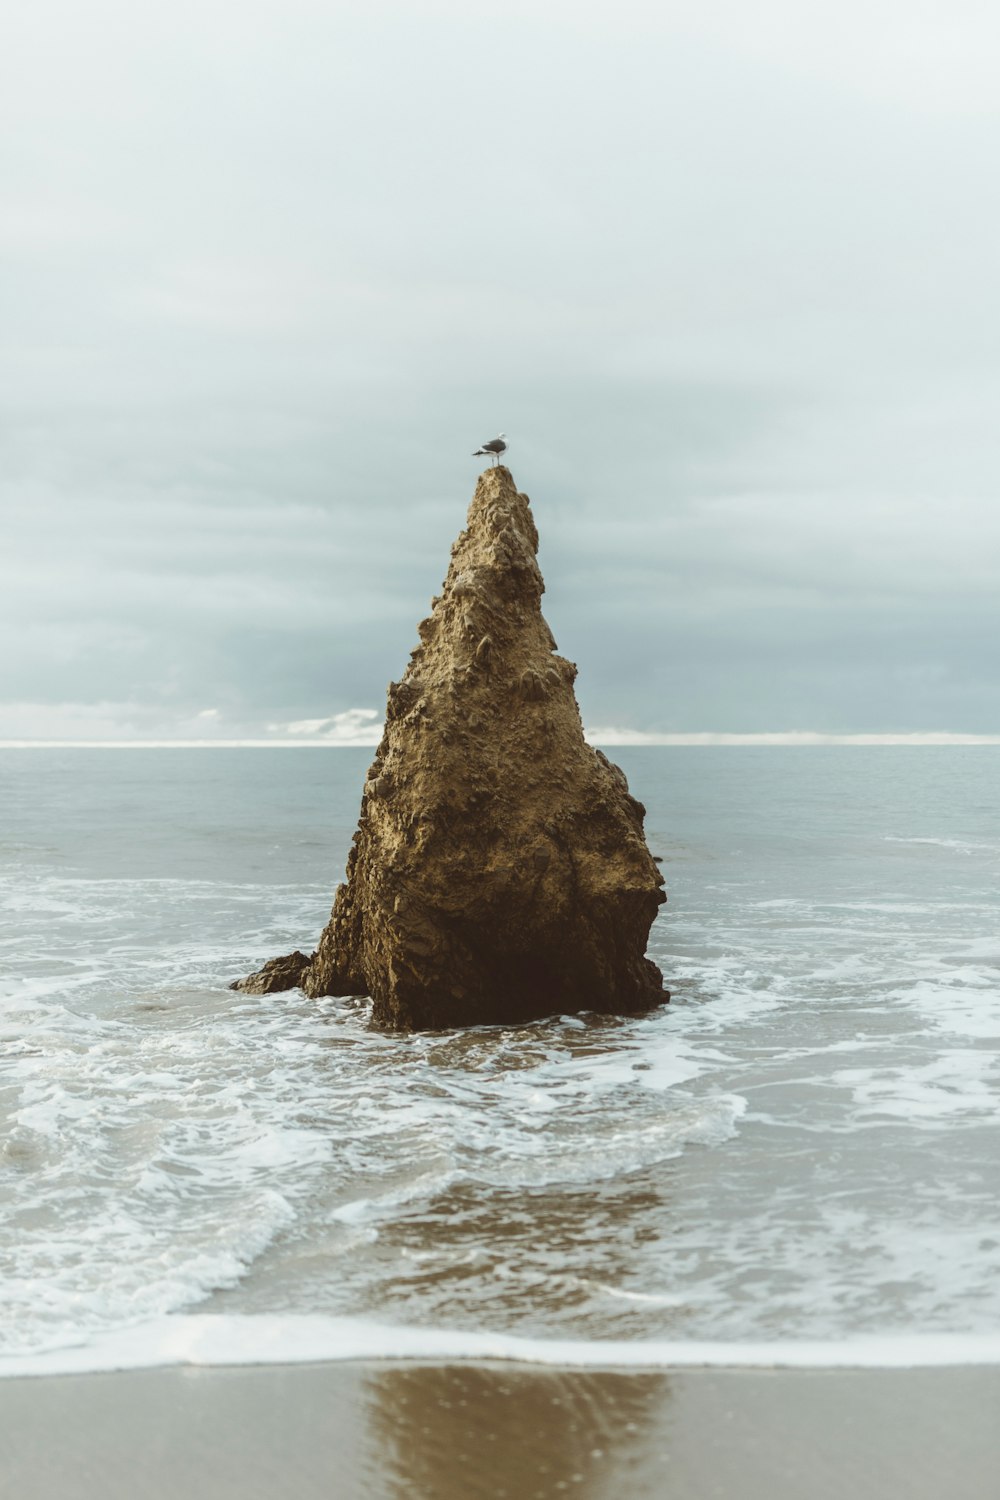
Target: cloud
x=98, y=722
x=619, y=736
x=735, y=308
x=355, y=726
x=138, y=723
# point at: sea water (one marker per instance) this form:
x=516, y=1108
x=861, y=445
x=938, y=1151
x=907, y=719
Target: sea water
x=799, y=1155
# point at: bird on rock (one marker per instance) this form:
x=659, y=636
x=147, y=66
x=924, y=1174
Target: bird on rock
x=493, y=449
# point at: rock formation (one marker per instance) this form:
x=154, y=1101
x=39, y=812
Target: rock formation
x=499, y=871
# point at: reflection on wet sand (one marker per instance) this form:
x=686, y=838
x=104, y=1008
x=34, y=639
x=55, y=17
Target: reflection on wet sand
x=501, y=1432
x=458, y=1432
x=494, y=1432
x=535, y=1260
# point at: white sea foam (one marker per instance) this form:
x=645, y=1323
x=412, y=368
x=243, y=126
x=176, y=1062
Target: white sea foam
x=956, y=1084
x=226, y=1341
x=796, y=1153
x=957, y=846
x=161, y=1151
x=963, y=1001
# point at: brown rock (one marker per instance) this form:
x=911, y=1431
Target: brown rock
x=499, y=871
x=277, y=974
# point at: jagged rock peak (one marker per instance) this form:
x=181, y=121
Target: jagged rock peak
x=499, y=871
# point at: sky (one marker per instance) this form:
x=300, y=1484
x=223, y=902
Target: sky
x=725, y=272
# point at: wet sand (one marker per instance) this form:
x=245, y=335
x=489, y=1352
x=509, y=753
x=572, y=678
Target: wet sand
x=459, y=1432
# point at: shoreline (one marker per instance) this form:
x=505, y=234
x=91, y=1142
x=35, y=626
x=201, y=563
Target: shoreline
x=213, y=1341
x=482, y=1429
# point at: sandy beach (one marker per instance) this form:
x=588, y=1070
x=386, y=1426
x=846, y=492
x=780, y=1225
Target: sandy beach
x=452, y=1432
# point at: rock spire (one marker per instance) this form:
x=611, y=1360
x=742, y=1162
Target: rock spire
x=499, y=871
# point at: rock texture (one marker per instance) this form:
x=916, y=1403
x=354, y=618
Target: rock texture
x=499, y=871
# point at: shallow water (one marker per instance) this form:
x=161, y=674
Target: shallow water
x=802, y=1146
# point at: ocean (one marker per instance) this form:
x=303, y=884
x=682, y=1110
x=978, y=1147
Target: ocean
x=799, y=1154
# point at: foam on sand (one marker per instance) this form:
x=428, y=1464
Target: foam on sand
x=207, y=1340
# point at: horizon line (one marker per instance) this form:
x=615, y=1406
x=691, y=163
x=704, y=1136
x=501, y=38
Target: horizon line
x=599, y=736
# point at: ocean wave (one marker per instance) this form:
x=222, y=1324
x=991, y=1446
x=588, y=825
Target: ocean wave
x=220, y=1341
x=771, y=1158
x=954, y=846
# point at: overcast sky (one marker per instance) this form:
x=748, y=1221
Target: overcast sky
x=725, y=273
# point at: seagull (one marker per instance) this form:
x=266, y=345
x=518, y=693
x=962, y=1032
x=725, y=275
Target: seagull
x=493, y=449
